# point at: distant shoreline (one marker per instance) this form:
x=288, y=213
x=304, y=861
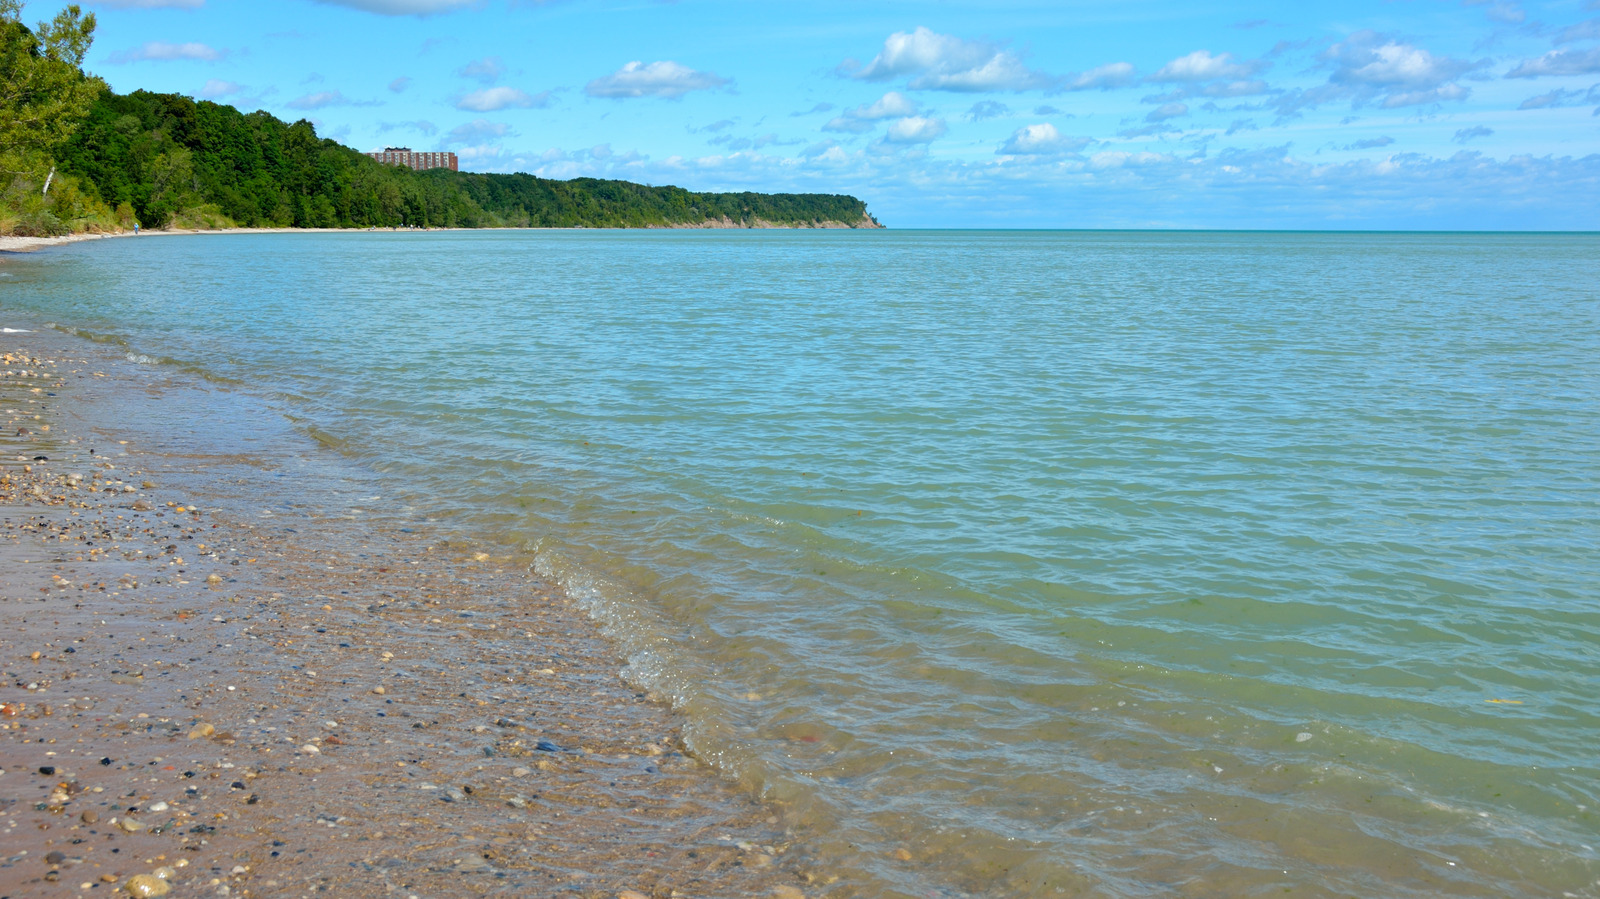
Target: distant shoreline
x=30, y=244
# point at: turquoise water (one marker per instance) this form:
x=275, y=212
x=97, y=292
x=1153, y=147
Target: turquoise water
x=1110, y=564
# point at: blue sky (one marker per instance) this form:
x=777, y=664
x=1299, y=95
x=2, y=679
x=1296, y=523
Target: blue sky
x=1477, y=114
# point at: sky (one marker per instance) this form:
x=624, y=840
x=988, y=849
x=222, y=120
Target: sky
x=1368, y=114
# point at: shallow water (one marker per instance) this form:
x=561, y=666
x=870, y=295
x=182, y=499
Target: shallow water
x=1108, y=564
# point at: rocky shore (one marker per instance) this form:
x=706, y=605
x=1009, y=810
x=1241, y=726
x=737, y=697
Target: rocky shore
x=218, y=681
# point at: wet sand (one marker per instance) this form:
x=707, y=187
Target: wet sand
x=219, y=674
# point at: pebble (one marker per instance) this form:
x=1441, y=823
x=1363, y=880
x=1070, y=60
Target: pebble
x=1301, y=737
x=784, y=891
x=146, y=885
x=202, y=730
x=631, y=894
x=130, y=825
x=379, y=690
x=308, y=749
x=89, y=817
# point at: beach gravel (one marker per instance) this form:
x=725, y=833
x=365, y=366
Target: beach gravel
x=200, y=697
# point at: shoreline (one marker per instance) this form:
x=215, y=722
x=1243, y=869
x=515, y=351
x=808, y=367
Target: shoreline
x=30, y=244
x=238, y=684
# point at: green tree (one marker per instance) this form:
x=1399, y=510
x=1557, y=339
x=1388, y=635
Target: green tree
x=44, y=94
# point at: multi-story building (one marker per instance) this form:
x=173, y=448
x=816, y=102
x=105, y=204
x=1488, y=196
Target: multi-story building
x=407, y=157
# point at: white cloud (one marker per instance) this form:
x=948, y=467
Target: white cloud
x=216, y=87
x=477, y=131
x=1041, y=140
x=1441, y=94
x=666, y=79
x=1106, y=77
x=1583, y=31
x=495, y=98
x=403, y=7
x=1559, y=62
x=1368, y=59
x=916, y=130
x=987, y=109
x=487, y=70
x=162, y=51
x=1466, y=134
x=1368, y=66
x=866, y=116
x=949, y=63
x=1167, y=111
x=319, y=100
x=1202, y=66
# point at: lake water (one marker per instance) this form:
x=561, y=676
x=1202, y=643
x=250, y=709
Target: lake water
x=1006, y=564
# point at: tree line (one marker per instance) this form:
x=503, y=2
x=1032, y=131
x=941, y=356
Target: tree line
x=75, y=156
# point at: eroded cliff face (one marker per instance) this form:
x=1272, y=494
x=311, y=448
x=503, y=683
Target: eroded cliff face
x=763, y=224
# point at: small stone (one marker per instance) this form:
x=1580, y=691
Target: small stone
x=1301, y=737
x=309, y=749
x=214, y=579
x=902, y=855
x=784, y=891
x=201, y=730
x=165, y=873
x=547, y=746
x=47, y=770
x=143, y=886
x=159, y=807
x=147, y=486
x=631, y=894
x=130, y=825
x=378, y=690
x=35, y=655
x=55, y=858
x=520, y=772
x=89, y=817
x=108, y=878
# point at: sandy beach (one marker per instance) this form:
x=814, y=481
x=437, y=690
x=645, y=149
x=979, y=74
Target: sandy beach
x=215, y=685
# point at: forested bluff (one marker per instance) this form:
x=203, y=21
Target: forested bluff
x=76, y=157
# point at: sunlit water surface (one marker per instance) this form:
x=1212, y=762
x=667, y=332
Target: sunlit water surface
x=1033, y=564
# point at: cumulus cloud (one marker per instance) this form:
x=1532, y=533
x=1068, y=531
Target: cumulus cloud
x=1371, y=143
x=1167, y=111
x=162, y=51
x=1370, y=60
x=945, y=62
x=1371, y=67
x=1202, y=66
x=916, y=130
x=1559, y=97
x=987, y=109
x=477, y=131
x=1104, y=78
x=1041, y=140
x=495, y=98
x=487, y=70
x=1467, y=134
x=866, y=116
x=1559, y=62
x=216, y=87
x=324, y=99
x=403, y=7
x=1583, y=31
x=665, y=79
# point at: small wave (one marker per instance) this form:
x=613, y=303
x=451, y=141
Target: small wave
x=15, y=331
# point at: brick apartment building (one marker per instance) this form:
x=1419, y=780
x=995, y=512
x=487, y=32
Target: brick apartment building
x=407, y=157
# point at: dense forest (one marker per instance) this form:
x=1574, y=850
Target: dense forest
x=75, y=156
